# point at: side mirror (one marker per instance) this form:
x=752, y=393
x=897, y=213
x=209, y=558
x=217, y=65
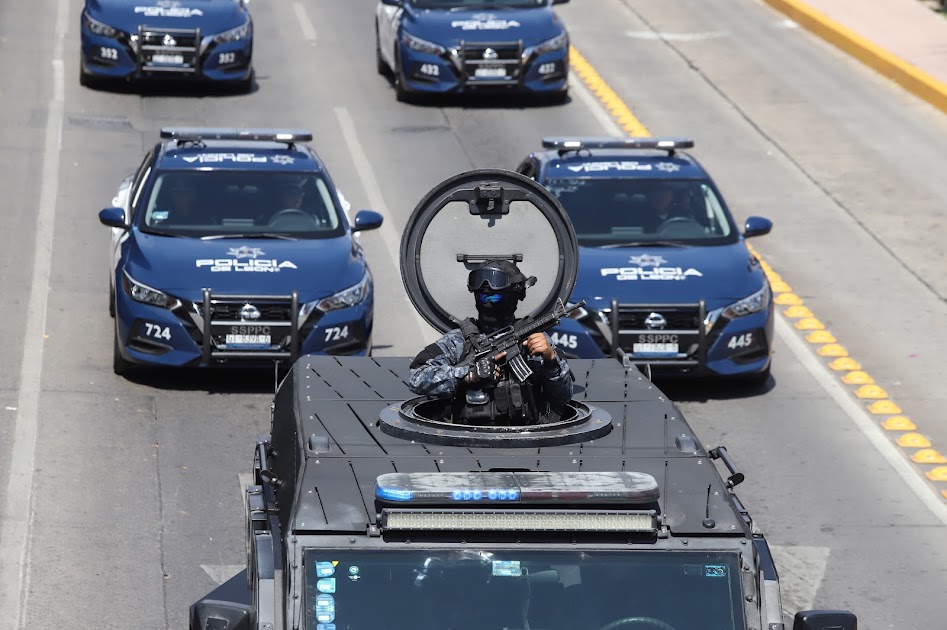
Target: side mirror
x=825, y=620
x=559, y=1
x=392, y=3
x=113, y=217
x=218, y=615
x=367, y=220
x=756, y=226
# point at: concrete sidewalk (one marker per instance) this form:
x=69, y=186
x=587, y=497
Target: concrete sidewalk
x=904, y=40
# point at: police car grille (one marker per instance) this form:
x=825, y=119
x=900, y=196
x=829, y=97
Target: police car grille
x=677, y=319
x=225, y=311
x=161, y=48
x=487, y=55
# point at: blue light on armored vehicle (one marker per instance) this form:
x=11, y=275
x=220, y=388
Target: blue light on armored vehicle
x=518, y=487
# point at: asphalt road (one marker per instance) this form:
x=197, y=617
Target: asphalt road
x=134, y=502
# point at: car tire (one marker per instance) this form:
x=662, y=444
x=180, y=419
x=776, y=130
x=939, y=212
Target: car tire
x=380, y=66
x=120, y=365
x=558, y=98
x=401, y=93
x=87, y=80
x=757, y=379
x=111, y=301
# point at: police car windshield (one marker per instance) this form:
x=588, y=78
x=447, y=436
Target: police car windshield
x=494, y=589
x=614, y=212
x=240, y=204
x=477, y=4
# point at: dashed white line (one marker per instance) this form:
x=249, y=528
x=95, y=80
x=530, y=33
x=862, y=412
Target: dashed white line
x=309, y=31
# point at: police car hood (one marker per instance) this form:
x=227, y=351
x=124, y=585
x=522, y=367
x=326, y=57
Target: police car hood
x=450, y=27
x=719, y=274
x=184, y=266
x=211, y=16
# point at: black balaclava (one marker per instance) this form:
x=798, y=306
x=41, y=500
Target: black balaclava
x=496, y=314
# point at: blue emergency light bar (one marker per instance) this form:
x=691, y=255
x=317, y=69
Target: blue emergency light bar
x=575, y=143
x=505, y=488
x=194, y=134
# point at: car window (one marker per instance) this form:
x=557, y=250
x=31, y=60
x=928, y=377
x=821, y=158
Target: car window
x=614, y=211
x=223, y=203
x=141, y=176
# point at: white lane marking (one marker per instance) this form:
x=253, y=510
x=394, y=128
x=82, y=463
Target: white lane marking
x=309, y=31
x=388, y=232
x=787, y=23
x=675, y=37
x=220, y=573
x=862, y=419
x=18, y=503
x=801, y=570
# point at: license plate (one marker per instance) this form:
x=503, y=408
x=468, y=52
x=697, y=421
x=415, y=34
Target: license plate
x=490, y=73
x=248, y=342
x=168, y=59
x=655, y=349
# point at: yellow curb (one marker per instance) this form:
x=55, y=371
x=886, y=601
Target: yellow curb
x=845, y=363
x=795, y=312
x=857, y=377
x=787, y=299
x=904, y=74
x=883, y=408
x=944, y=493
x=913, y=440
x=832, y=350
x=871, y=391
x=809, y=323
x=778, y=286
x=937, y=474
x=607, y=95
x=898, y=423
x=928, y=456
x=820, y=336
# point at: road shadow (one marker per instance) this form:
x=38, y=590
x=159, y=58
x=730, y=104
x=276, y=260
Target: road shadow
x=170, y=88
x=484, y=100
x=704, y=390
x=213, y=381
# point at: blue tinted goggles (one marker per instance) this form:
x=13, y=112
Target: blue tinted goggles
x=490, y=298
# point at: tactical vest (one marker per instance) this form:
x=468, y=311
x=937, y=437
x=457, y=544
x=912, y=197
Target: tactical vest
x=506, y=403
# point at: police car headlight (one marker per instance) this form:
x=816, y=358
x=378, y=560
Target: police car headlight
x=147, y=295
x=420, y=45
x=99, y=28
x=558, y=42
x=343, y=299
x=748, y=305
x=234, y=34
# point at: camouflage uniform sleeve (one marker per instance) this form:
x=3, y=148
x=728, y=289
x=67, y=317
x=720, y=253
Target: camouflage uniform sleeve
x=557, y=380
x=433, y=371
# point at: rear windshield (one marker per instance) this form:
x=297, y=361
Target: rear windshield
x=205, y=204
x=612, y=212
x=497, y=589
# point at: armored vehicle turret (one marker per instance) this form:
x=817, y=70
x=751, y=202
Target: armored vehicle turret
x=368, y=512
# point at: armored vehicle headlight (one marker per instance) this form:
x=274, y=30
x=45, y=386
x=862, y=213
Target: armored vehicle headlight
x=421, y=45
x=147, y=295
x=99, y=28
x=558, y=42
x=233, y=35
x=343, y=299
x=748, y=305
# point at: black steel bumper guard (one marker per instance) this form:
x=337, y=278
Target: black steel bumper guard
x=169, y=41
x=208, y=348
x=627, y=356
x=473, y=56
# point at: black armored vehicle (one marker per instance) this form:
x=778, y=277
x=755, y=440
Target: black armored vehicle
x=373, y=510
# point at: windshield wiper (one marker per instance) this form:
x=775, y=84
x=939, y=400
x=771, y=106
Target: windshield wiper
x=282, y=237
x=160, y=233
x=644, y=244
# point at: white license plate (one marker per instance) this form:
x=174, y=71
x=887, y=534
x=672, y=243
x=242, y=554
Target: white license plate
x=248, y=342
x=490, y=73
x=655, y=349
x=169, y=59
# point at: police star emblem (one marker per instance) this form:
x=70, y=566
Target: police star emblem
x=245, y=252
x=647, y=260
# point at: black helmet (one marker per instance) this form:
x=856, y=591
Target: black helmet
x=498, y=275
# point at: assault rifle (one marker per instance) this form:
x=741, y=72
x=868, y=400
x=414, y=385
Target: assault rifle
x=510, y=340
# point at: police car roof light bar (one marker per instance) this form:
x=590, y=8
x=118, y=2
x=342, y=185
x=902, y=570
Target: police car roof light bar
x=517, y=488
x=197, y=134
x=566, y=144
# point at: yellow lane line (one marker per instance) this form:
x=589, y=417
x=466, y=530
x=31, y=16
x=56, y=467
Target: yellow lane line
x=902, y=430
x=909, y=77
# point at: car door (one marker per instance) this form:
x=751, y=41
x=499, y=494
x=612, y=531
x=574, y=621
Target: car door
x=129, y=192
x=388, y=17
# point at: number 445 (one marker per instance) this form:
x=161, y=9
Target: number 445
x=740, y=341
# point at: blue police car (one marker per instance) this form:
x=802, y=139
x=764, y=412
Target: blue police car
x=209, y=40
x=442, y=46
x=665, y=272
x=232, y=246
